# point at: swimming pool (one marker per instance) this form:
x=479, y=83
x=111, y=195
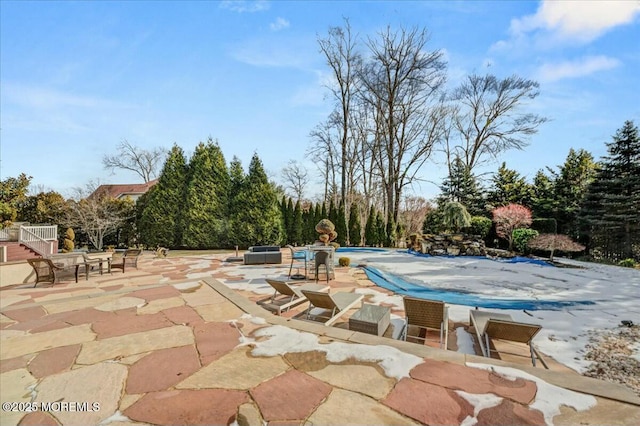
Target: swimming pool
x=400, y=286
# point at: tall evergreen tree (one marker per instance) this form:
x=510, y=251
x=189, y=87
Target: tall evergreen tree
x=543, y=199
x=307, y=224
x=341, y=225
x=355, y=232
x=283, y=210
x=611, y=209
x=462, y=186
x=371, y=229
x=260, y=220
x=236, y=187
x=296, y=226
x=207, y=197
x=509, y=187
x=160, y=222
x=381, y=229
x=323, y=212
x=288, y=219
x=571, y=182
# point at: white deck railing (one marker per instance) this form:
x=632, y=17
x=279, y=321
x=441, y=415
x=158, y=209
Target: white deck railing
x=39, y=238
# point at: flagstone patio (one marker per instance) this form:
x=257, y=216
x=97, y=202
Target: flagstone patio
x=168, y=343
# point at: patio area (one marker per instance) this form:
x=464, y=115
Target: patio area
x=182, y=341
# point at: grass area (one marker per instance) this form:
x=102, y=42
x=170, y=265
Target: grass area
x=182, y=253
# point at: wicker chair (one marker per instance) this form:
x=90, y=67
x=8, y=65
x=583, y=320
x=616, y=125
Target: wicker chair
x=428, y=315
x=47, y=271
x=129, y=258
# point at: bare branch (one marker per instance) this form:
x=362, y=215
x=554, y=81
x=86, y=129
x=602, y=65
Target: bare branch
x=140, y=161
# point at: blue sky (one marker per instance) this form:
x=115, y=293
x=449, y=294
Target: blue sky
x=76, y=78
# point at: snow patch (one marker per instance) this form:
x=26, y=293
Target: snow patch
x=282, y=340
x=548, y=397
x=465, y=341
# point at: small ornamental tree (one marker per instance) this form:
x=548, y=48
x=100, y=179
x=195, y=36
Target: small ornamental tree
x=553, y=242
x=510, y=217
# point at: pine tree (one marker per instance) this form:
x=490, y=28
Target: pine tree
x=612, y=205
x=462, y=186
x=341, y=225
x=508, y=187
x=381, y=229
x=207, y=197
x=297, y=225
x=571, y=182
x=543, y=199
x=160, y=222
x=370, y=229
x=236, y=187
x=285, y=224
x=260, y=219
x=323, y=212
x=288, y=219
x=355, y=232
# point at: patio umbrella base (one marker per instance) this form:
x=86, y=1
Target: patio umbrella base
x=298, y=277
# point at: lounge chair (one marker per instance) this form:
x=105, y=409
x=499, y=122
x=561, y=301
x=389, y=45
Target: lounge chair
x=429, y=315
x=493, y=325
x=129, y=258
x=297, y=256
x=286, y=296
x=338, y=303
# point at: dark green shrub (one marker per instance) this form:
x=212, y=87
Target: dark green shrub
x=627, y=263
x=544, y=225
x=521, y=238
x=344, y=261
x=433, y=222
x=480, y=225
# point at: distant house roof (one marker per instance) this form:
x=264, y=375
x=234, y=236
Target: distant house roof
x=133, y=190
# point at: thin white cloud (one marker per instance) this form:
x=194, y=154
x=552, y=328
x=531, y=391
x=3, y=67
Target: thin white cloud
x=245, y=6
x=579, y=68
x=279, y=24
x=578, y=20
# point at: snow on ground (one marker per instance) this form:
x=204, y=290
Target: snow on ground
x=549, y=397
x=615, y=292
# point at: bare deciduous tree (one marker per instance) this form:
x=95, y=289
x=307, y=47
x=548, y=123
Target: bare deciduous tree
x=97, y=214
x=488, y=119
x=323, y=153
x=402, y=83
x=140, y=161
x=296, y=178
x=414, y=210
x=339, y=49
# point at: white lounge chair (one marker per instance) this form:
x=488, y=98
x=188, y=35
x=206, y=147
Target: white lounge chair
x=286, y=296
x=338, y=304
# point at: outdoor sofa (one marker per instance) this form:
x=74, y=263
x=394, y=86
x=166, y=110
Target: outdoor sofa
x=259, y=255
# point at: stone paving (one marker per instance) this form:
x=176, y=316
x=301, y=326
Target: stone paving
x=169, y=344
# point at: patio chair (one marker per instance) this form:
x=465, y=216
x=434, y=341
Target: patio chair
x=47, y=271
x=286, y=296
x=338, y=303
x=129, y=258
x=493, y=325
x=429, y=315
x=298, y=256
x=323, y=258
x=95, y=263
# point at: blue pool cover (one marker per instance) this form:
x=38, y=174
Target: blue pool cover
x=458, y=297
